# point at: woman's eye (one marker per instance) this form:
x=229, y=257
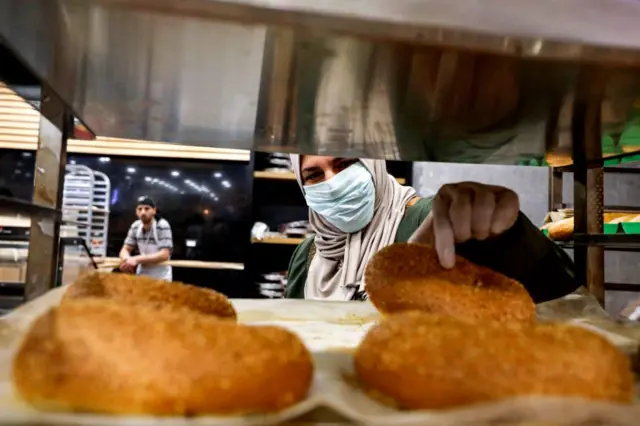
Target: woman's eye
x=313, y=177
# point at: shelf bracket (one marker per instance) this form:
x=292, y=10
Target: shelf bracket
x=588, y=194
x=56, y=126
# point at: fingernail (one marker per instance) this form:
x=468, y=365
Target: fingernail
x=448, y=259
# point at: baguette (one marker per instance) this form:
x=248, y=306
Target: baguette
x=404, y=277
x=420, y=361
x=562, y=230
x=102, y=356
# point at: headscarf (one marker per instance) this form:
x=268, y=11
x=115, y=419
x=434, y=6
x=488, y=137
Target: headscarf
x=341, y=258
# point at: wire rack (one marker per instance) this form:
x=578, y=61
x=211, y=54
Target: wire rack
x=85, y=206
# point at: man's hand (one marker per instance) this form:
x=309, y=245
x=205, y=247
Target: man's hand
x=129, y=264
x=465, y=211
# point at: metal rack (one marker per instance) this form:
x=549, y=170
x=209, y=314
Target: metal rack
x=388, y=81
x=85, y=200
x=589, y=243
x=74, y=257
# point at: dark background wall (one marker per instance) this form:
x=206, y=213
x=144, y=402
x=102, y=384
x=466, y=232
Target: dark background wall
x=206, y=201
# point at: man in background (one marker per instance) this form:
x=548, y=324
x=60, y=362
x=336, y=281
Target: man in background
x=152, y=238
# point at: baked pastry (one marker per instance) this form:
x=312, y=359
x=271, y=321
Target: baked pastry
x=98, y=355
x=142, y=289
x=562, y=230
x=421, y=361
x=405, y=277
x=623, y=219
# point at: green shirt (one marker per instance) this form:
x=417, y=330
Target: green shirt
x=522, y=253
x=297, y=275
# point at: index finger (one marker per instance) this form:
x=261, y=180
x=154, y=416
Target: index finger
x=443, y=231
x=424, y=233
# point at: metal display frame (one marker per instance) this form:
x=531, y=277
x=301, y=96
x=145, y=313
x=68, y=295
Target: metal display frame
x=86, y=200
x=589, y=242
x=57, y=121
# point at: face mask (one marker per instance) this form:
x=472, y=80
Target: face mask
x=346, y=200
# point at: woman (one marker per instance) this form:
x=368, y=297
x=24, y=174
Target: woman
x=356, y=208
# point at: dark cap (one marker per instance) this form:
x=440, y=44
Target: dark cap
x=146, y=201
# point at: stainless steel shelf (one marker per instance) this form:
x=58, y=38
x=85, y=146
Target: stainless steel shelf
x=437, y=80
x=16, y=206
x=613, y=242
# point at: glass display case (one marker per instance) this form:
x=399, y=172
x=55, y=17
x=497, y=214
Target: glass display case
x=74, y=260
x=397, y=80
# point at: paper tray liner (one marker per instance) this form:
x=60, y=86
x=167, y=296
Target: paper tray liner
x=332, y=330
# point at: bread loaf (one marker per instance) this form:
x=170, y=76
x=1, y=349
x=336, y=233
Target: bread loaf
x=404, y=277
x=99, y=355
x=140, y=289
x=562, y=230
x=420, y=361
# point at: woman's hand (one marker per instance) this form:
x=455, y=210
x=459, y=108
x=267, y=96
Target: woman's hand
x=465, y=211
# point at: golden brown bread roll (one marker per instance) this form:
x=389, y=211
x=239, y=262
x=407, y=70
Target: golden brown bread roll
x=561, y=230
x=405, y=277
x=420, y=361
x=98, y=355
x=142, y=289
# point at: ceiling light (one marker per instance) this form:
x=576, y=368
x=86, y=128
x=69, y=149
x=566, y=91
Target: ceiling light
x=104, y=159
x=147, y=179
x=131, y=170
x=175, y=173
x=217, y=175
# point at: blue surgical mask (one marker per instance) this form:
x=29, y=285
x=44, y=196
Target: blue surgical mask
x=346, y=200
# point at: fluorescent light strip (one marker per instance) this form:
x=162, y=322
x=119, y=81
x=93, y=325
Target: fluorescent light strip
x=19, y=124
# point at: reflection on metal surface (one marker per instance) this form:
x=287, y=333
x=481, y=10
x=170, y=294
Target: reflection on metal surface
x=375, y=79
x=56, y=124
x=19, y=125
x=544, y=28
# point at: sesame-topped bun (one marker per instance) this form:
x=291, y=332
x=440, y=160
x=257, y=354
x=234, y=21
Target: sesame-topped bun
x=417, y=361
x=405, y=277
x=138, y=289
x=102, y=356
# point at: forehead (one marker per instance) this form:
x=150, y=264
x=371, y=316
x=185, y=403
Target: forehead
x=313, y=161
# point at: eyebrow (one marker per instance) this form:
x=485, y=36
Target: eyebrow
x=309, y=169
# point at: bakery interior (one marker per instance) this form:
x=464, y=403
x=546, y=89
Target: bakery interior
x=199, y=104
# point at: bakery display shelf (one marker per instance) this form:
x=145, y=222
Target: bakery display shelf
x=622, y=287
x=604, y=160
x=612, y=242
x=278, y=240
x=607, y=239
x=15, y=249
x=17, y=206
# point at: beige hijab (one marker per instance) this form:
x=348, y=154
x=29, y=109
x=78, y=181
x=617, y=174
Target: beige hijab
x=341, y=258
